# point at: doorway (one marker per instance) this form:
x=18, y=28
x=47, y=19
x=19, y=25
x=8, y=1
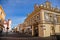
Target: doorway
x=36, y=30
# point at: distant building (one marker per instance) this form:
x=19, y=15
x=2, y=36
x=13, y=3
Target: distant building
x=20, y=28
x=2, y=18
x=7, y=26
x=44, y=20
x=16, y=29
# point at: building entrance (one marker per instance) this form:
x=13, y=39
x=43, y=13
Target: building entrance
x=35, y=30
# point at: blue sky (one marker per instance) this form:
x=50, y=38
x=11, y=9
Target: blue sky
x=17, y=10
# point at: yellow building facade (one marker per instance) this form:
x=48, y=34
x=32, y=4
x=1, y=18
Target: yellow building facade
x=2, y=17
x=44, y=20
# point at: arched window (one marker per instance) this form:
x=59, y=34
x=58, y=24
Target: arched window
x=47, y=18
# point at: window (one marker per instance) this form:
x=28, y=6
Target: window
x=52, y=27
x=0, y=20
x=55, y=18
x=58, y=18
x=38, y=17
x=47, y=18
x=43, y=27
x=0, y=12
x=31, y=20
x=51, y=17
x=34, y=17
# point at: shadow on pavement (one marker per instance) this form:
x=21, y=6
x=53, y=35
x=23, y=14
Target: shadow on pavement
x=0, y=36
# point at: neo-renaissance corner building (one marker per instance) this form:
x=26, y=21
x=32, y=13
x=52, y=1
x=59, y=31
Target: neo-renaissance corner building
x=44, y=20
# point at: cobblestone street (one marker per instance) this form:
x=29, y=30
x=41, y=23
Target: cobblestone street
x=20, y=36
x=16, y=36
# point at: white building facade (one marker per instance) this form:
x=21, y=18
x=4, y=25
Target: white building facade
x=7, y=26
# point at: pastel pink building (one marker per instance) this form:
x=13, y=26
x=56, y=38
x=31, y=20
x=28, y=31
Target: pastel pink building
x=7, y=26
